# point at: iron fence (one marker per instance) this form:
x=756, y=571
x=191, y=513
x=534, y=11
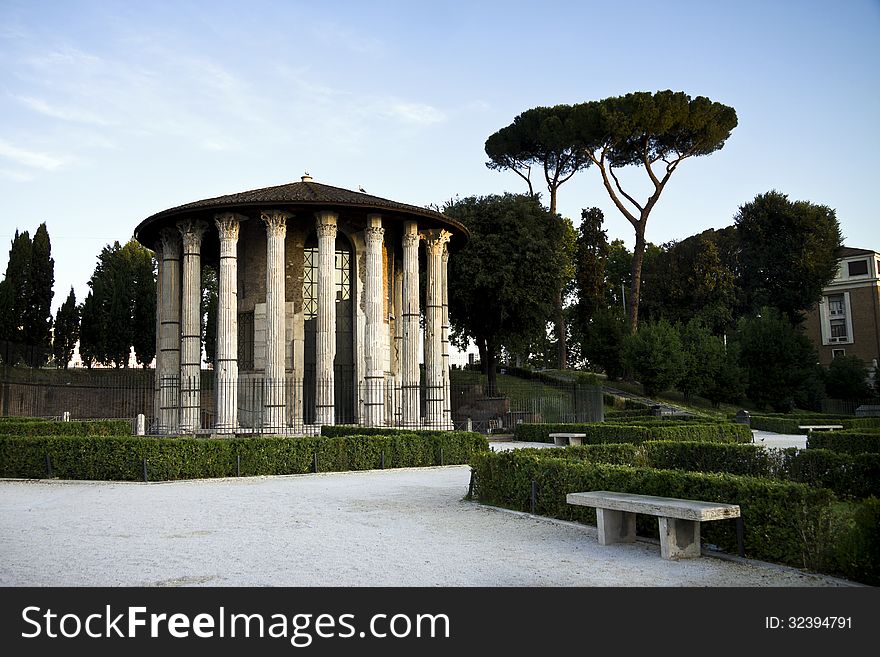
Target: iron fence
x=252, y=403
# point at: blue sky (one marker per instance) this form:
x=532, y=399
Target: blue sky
x=111, y=111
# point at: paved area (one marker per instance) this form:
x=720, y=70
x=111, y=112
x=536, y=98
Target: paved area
x=408, y=527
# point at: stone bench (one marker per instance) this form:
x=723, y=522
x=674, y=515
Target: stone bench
x=568, y=438
x=679, y=519
x=820, y=427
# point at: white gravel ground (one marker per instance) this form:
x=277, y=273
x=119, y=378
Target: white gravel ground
x=408, y=527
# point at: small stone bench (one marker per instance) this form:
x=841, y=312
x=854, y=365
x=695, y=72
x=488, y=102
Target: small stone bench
x=679, y=519
x=568, y=438
x=820, y=427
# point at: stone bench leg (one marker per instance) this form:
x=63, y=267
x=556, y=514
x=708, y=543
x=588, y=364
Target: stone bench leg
x=559, y=441
x=615, y=526
x=679, y=539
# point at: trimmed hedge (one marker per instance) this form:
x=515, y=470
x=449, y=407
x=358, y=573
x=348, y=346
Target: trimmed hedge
x=846, y=442
x=606, y=432
x=790, y=523
x=776, y=514
x=847, y=475
x=37, y=427
x=790, y=424
x=121, y=458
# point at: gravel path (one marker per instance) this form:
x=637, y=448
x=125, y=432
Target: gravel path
x=408, y=527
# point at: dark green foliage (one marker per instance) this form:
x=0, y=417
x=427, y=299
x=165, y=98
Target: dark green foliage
x=15, y=426
x=790, y=424
x=605, y=432
x=501, y=284
x=655, y=131
x=779, y=359
x=210, y=305
x=655, y=356
x=857, y=540
x=848, y=475
x=846, y=442
x=121, y=458
x=37, y=316
x=601, y=341
x=788, y=252
x=690, y=280
x=120, y=310
x=66, y=331
x=14, y=298
x=847, y=378
x=538, y=137
x=776, y=514
x=591, y=255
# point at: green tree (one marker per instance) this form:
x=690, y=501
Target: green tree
x=654, y=354
x=591, y=257
x=37, y=313
x=14, y=297
x=618, y=274
x=699, y=348
x=847, y=378
x=66, y=331
x=788, y=252
x=727, y=379
x=119, y=311
x=779, y=359
x=143, y=311
x=541, y=137
x=655, y=131
x=689, y=279
x=501, y=283
x=210, y=305
x=601, y=341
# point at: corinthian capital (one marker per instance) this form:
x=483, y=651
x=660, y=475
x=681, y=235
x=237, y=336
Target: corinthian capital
x=228, y=225
x=276, y=222
x=436, y=240
x=191, y=232
x=325, y=223
x=170, y=241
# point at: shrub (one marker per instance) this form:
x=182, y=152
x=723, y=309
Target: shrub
x=121, y=458
x=631, y=433
x=847, y=442
x=776, y=514
x=36, y=427
x=655, y=355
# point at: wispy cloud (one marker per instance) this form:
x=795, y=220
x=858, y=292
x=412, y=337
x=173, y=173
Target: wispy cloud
x=339, y=36
x=32, y=159
x=16, y=176
x=417, y=113
x=64, y=113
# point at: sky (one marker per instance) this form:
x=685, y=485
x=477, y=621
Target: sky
x=113, y=111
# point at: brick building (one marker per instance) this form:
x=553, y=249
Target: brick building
x=846, y=322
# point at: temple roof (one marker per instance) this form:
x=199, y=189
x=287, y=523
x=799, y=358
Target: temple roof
x=305, y=195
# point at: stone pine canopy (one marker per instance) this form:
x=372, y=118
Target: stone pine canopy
x=301, y=198
x=318, y=311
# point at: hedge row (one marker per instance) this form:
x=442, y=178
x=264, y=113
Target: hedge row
x=784, y=522
x=790, y=425
x=855, y=476
x=847, y=442
x=121, y=458
x=37, y=427
x=607, y=432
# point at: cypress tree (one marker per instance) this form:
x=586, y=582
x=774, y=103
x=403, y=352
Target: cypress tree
x=37, y=313
x=67, y=322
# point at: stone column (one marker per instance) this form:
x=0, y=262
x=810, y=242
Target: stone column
x=374, y=379
x=411, y=411
x=168, y=354
x=435, y=242
x=157, y=373
x=191, y=233
x=273, y=380
x=447, y=391
x=325, y=339
x=226, y=358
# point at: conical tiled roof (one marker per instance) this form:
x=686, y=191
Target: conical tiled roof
x=304, y=195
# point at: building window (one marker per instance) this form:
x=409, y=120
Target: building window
x=838, y=330
x=858, y=267
x=835, y=305
x=838, y=353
